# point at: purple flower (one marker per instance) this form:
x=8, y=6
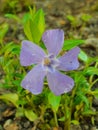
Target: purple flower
x=48, y=64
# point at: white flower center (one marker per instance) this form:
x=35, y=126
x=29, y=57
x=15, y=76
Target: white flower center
x=50, y=63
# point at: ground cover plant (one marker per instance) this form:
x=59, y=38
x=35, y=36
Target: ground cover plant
x=67, y=97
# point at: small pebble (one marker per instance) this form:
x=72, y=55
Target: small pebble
x=86, y=127
x=7, y=123
x=26, y=124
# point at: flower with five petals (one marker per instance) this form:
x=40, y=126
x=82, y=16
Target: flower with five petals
x=48, y=65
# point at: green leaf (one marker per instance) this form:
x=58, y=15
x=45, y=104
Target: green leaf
x=88, y=113
x=13, y=16
x=75, y=122
x=3, y=30
x=34, y=26
x=83, y=98
x=91, y=71
x=69, y=44
x=19, y=112
x=54, y=101
x=30, y=114
x=86, y=17
x=1, y=60
x=95, y=93
x=92, y=60
x=62, y=118
x=10, y=48
x=81, y=82
x=32, y=11
x=37, y=26
x=26, y=23
x=71, y=18
x=83, y=56
x=12, y=97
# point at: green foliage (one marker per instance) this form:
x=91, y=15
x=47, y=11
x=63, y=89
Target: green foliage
x=3, y=30
x=15, y=6
x=91, y=71
x=34, y=25
x=86, y=17
x=30, y=114
x=75, y=122
x=69, y=44
x=9, y=61
x=12, y=97
x=95, y=93
x=73, y=20
x=13, y=16
x=83, y=56
x=79, y=20
x=54, y=101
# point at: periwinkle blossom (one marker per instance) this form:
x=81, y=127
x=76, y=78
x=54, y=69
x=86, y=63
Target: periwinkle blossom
x=48, y=65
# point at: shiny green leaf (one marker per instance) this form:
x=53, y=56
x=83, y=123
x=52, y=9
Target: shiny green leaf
x=54, y=101
x=27, y=30
x=13, y=16
x=37, y=26
x=62, y=118
x=83, y=56
x=12, y=97
x=34, y=26
x=30, y=114
x=88, y=113
x=91, y=71
x=69, y=44
x=75, y=122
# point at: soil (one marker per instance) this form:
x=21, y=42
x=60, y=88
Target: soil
x=56, y=12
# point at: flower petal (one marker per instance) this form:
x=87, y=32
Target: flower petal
x=59, y=83
x=69, y=61
x=53, y=40
x=34, y=80
x=30, y=53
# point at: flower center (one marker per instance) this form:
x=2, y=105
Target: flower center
x=47, y=61
x=50, y=63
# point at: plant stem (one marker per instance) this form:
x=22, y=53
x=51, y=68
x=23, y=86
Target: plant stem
x=55, y=118
x=91, y=77
x=67, y=124
x=67, y=115
x=93, y=83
